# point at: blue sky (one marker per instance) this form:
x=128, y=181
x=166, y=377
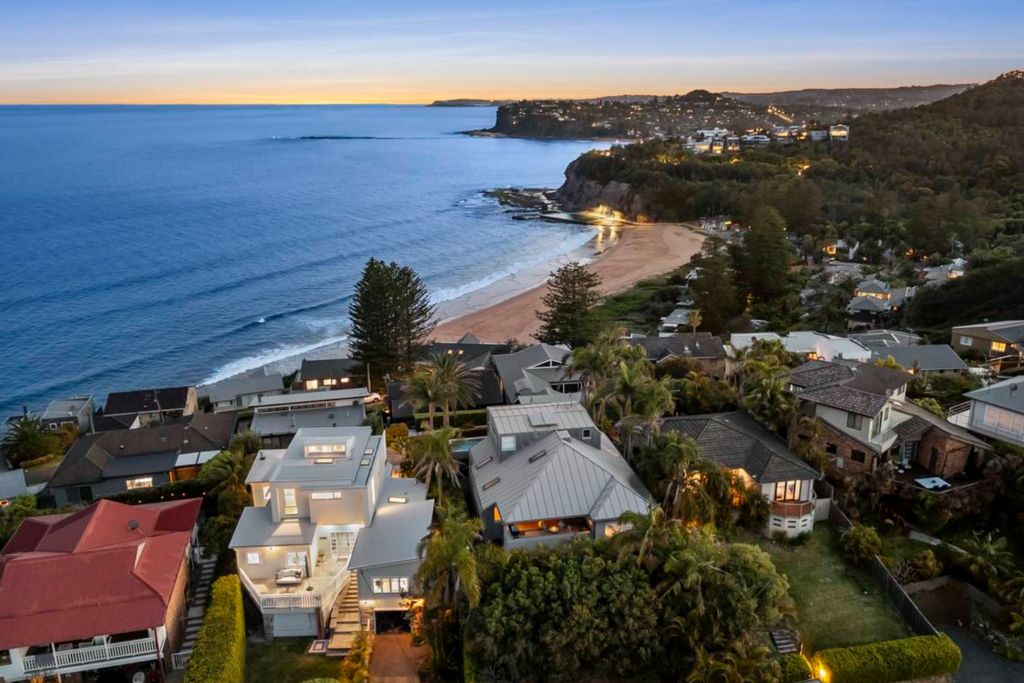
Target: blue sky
x=399, y=51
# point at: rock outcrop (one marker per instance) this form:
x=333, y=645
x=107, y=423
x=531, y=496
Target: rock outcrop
x=579, y=193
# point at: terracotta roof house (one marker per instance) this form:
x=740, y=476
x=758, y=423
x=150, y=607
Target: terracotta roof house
x=867, y=420
x=110, y=462
x=148, y=405
x=102, y=587
x=546, y=474
x=738, y=443
x=704, y=348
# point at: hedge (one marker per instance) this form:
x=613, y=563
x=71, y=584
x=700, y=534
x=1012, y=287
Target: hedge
x=794, y=669
x=890, y=661
x=175, y=490
x=219, y=654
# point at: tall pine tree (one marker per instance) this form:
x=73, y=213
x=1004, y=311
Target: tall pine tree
x=391, y=315
x=766, y=255
x=569, y=316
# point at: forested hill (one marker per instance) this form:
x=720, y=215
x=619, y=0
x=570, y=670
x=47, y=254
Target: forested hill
x=854, y=99
x=924, y=177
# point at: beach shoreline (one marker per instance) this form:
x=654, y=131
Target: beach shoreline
x=622, y=253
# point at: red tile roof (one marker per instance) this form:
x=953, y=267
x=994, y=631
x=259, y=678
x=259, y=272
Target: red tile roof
x=110, y=568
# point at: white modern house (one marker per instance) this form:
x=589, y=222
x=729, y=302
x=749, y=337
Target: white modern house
x=813, y=345
x=332, y=538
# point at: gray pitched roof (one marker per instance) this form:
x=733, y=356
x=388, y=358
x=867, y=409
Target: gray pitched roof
x=925, y=357
x=736, y=441
x=1007, y=394
x=685, y=345
x=555, y=476
x=320, y=368
x=12, y=484
x=816, y=373
x=146, y=400
x=922, y=419
x=1011, y=331
x=522, y=419
x=845, y=398
x=519, y=376
x=393, y=536
x=866, y=377
x=233, y=387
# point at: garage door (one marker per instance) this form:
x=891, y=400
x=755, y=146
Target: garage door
x=391, y=620
x=298, y=624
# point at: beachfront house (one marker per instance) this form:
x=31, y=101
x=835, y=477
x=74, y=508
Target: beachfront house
x=541, y=373
x=330, y=543
x=995, y=411
x=141, y=407
x=545, y=474
x=278, y=418
x=76, y=410
x=758, y=459
x=110, y=462
x=328, y=374
x=238, y=393
x=99, y=592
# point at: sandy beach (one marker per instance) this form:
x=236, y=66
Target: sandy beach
x=635, y=253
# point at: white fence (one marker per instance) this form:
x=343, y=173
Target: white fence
x=89, y=655
x=180, y=659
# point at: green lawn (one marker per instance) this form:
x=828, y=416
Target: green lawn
x=837, y=605
x=285, y=661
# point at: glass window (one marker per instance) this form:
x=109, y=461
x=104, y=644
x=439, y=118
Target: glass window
x=391, y=584
x=858, y=456
x=325, y=495
x=5, y=657
x=139, y=483
x=291, y=506
x=586, y=433
x=831, y=448
x=252, y=558
x=854, y=421
x=787, y=490
x=312, y=384
x=998, y=347
x=966, y=341
x=508, y=443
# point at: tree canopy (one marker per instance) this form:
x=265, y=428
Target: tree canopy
x=568, y=316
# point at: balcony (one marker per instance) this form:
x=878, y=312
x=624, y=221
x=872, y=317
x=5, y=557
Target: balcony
x=68, y=659
x=960, y=414
x=313, y=592
x=781, y=508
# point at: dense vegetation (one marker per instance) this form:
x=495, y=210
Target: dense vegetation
x=921, y=179
x=219, y=654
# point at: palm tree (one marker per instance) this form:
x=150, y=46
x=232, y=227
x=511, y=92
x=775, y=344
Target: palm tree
x=987, y=557
x=696, y=490
x=423, y=391
x=449, y=569
x=639, y=399
x=432, y=458
x=455, y=385
x=770, y=402
x=693, y=319
x=27, y=440
x=226, y=470
x=648, y=538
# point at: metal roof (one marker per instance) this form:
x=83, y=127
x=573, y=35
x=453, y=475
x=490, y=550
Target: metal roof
x=556, y=477
x=256, y=528
x=292, y=464
x=290, y=421
x=394, y=536
x=299, y=397
x=520, y=419
x=1007, y=394
x=925, y=357
x=233, y=387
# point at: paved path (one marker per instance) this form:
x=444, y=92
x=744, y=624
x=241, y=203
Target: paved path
x=981, y=665
x=395, y=659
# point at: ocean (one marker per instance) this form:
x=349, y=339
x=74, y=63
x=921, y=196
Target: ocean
x=157, y=246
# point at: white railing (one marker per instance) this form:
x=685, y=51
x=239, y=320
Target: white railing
x=301, y=600
x=960, y=414
x=88, y=655
x=180, y=659
x=290, y=600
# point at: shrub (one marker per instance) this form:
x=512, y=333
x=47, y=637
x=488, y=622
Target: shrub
x=355, y=668
x=188, y=488
x=35, y=462
x=890, y=661
x=794, y=669
x=219, y=654
x=861, y=543
x=926, y=565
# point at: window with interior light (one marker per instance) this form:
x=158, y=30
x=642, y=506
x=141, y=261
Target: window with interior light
x=139, y=483
x=252, y=558
x=391, y=584
x=291, y=504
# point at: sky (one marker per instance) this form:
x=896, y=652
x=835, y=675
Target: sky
x=353, y=51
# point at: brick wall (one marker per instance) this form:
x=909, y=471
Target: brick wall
x=844, y=448
x=952, y=455
x=176, y=608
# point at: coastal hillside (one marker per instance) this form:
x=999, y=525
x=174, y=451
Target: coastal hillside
x=946, y=172
x=629, y=117
x=854, y=99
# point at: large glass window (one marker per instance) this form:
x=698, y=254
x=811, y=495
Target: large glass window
x=508, y=443
x=966, y=341
x=291, y=505
x=998, y=347
x=787, y=490
x=1003, y=420
x=391, y=584
x=854, y=421
x=139, y=483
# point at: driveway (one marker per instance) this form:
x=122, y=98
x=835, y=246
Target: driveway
x=981, y=665
x=396, y=659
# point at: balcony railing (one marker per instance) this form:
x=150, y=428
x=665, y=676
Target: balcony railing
x=301, y=600
x=79, y=656
x=960, y=414
x=781, y=508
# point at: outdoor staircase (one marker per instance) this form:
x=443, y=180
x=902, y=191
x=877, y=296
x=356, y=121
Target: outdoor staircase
x=785, y=642
x=345, y=620
x=204, y=573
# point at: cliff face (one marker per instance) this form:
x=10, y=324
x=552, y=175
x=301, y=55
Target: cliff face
x=578, y=193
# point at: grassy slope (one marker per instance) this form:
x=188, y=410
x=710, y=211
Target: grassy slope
x=837, y=605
